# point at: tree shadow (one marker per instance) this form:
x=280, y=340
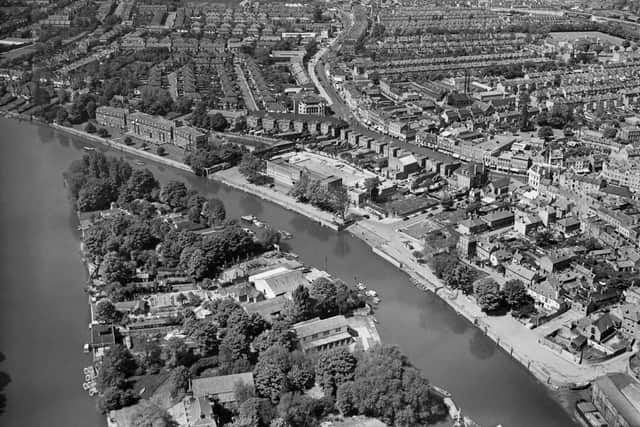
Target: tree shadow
x=5, y=379
x=300, y=223
x=481, y=347
x=500, y=311
x=342, y=247
x=45, y=134
x=251, y=204
x=458, y=325
x=63, y=139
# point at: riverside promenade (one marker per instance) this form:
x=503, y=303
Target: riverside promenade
x=385, y=241
x=512, y=336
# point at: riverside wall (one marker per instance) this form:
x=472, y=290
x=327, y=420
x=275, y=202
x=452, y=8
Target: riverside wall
x=419, y=280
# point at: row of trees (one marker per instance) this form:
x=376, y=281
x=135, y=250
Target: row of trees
x=201, y=118
x=210, y=153
x=512, y=296
x=458, y=275
x=454, y=274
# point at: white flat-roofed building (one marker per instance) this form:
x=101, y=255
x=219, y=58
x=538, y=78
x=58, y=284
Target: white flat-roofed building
x=278, y=282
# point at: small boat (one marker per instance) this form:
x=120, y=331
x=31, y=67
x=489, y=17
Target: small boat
x=579, y=386
x=258, y=223
x=89, y=378
x=93, y=391
x=285, y=235
x=361, y=286
x=248, y=218
x=86, y=386
x=371, y=293
x=376, y=300
x=85, y=348
x=85, y=148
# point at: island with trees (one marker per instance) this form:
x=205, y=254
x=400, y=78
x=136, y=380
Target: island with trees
x=167, y=313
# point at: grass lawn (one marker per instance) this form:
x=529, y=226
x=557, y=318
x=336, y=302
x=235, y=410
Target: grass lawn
x=146, y=385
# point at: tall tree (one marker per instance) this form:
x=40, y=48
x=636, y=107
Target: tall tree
x=488, y=295
x=334, y=368
x=175, y=194
x=388, y=387
x=106, y=312
x=302, y=306
x=515, y=293
x=213, y=210
x=117, y=365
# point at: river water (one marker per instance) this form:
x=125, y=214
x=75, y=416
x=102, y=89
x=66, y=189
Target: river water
x=43, y=310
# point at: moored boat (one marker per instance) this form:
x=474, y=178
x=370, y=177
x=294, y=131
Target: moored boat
x=285, y=235
x=248, y=218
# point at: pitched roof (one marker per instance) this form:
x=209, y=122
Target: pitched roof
x=314, y=326
x=623, y=393
x=286, y=281
x=221, y=387
x=521, y=271
x=604, y=322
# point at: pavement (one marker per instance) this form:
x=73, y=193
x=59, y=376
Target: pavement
x=234, y=178
x=518, y=340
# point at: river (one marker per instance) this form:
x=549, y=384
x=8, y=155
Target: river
x=43, y=310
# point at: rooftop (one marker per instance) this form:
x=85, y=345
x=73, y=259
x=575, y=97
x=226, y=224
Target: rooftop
x=624, y=394
x=221, y=387
x=315, y=326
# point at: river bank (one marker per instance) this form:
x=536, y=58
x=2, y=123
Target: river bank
x=376, y=274
x=233, y=178
x=381, y=244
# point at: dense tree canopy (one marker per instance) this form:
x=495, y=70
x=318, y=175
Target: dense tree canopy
x=388, y=387
x=488, y=295
x=106, y=312
x=334, y=368
x=252, y=167
x=117, y=365
x=175, y=194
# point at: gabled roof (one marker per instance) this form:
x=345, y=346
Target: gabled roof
x=315, y=326
x=623, y=393
x=221, y=387
x=284, y=281
x=604, y=323
x=521, y=271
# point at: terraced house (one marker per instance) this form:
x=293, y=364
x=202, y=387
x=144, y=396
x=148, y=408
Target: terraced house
x=156, y=130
